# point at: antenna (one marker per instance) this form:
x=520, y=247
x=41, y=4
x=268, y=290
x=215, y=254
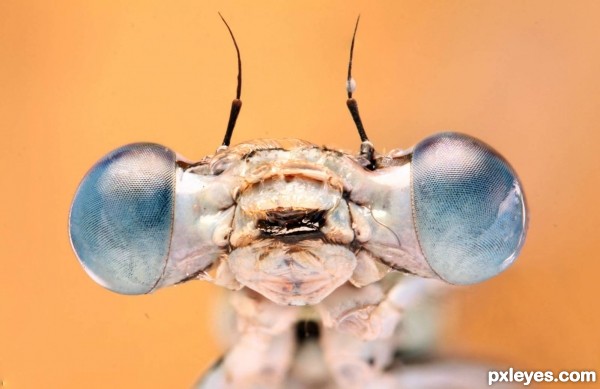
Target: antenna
x=366, y=147
x=236, y=104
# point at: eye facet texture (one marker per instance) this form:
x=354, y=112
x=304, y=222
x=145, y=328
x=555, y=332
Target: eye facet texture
x=469, y=209
x=122, y=217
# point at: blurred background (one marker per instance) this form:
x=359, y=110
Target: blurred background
x=80, y=78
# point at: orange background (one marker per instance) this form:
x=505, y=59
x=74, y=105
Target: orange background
x=78, y=79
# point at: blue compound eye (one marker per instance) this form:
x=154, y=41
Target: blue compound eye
x=468, y=206
x=122, y=217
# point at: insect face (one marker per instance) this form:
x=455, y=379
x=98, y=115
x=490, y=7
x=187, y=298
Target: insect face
x=296, y=221
x=297, y=224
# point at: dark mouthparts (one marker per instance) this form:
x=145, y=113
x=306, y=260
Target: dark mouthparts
x=289, y=221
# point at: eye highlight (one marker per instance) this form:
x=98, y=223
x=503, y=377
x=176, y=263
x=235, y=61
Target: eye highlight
x=122, y=217
x=468, y=207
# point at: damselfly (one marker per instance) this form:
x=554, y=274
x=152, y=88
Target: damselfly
x=327, y=253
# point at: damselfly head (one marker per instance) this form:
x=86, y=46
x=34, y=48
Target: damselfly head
x=294, y=221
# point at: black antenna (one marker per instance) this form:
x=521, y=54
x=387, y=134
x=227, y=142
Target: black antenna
x=236, y=104
x=366, y=148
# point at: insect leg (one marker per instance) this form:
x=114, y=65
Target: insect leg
x=362, y=331
x=262, y=354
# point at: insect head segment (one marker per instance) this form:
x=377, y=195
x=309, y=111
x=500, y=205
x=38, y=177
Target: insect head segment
x=294, y=221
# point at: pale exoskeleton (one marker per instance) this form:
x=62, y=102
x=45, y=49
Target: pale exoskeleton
x=309, y=239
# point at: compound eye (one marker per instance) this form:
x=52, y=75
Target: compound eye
x=122, y=217
x=468, y=206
